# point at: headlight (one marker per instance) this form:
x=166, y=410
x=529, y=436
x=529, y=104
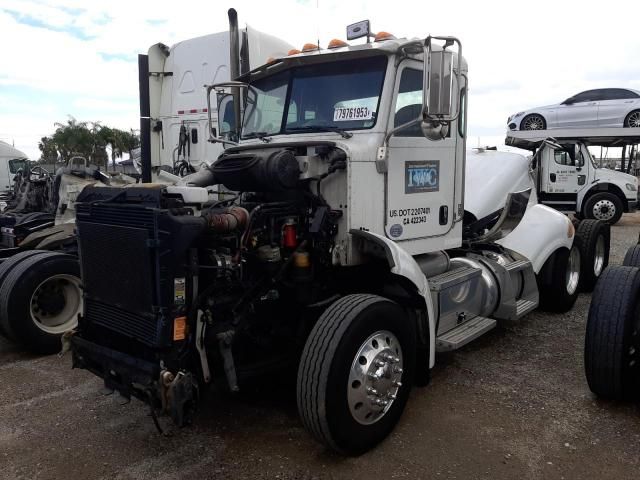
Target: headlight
x=631, y=187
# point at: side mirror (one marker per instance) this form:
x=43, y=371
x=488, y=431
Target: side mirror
x=438, y=87
x=226, y=114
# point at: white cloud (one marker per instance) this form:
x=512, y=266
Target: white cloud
x=519, y=55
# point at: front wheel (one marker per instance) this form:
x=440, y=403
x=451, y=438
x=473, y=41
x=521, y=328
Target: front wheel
x=604, y=206
x=355, y=373
x=612, y=342
x=559, y=279
x=533, y=122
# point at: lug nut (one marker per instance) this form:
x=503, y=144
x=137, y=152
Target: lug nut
x=397, y=370
x=397, y=383
x=380, y=363
x=391, y=396
x=372, y=391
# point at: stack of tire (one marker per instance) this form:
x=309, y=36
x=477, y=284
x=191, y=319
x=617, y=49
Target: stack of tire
x=612, y=341
x=40, y=298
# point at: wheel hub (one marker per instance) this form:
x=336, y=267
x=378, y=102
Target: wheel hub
x=375, y=377
x=634, y=120
x=604, y=210
x=573, y=271
x=55, y=304
x=599, y=256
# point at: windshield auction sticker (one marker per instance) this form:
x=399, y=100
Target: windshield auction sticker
x=347, y=114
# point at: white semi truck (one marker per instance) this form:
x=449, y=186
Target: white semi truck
x=348, y=254
x=39, y=271
x=12, y=160
x=568, y=178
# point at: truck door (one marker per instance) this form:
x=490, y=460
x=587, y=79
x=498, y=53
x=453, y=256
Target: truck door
x=421, y=173
x=564, y=175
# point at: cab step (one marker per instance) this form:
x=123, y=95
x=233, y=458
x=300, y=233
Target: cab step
x=464, y=333
x=524, y=306
x=517, y=265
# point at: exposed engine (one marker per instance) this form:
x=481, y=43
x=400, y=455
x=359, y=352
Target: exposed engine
x=246, y=269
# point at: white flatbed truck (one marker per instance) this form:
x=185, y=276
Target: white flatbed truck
x=569, y=180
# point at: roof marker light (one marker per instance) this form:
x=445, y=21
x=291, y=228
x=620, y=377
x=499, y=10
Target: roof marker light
x=382, y=36
x=294, y=51
x=337, y=43
x=310, y=47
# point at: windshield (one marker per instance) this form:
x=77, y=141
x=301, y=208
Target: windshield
x=17, y=164
x=337, y=95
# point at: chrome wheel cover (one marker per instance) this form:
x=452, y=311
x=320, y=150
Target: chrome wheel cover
x=55, y=304
x=572, y=275
x=598, y=256
x=374, y=379
x=604, y=210
x=535, y=122
x=633, y=121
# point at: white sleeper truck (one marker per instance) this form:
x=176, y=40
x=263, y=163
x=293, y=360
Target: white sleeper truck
x=347, y=255
x=568, y=178
x=12, y=160
x=177, y=99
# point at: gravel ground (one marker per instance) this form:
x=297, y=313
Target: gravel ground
x=514, y=404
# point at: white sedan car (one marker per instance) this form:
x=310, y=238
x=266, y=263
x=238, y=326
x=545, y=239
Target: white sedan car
x=603, y=107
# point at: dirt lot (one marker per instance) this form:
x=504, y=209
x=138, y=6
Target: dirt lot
x=515, y=404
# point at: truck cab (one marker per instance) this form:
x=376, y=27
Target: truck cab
x=341, y=244
x=569, y=180
x=11, y=161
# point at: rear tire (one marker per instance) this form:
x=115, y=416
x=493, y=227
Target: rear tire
x=604, y=206
x=559, y=279
x=632, y=257
x=613, y=329
x=40, y=299
x=5, y=268
x=593, y=239
x=343, y=360
x=632, y=120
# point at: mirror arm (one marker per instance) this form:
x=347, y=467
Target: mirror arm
x=213, y=139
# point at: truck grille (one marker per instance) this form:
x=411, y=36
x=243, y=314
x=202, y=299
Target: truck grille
x=120, y=270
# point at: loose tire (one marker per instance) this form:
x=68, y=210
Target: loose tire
x=611, y=344
x=559, y=279
x=359, y=355
x=7, y=266
x=40, y=299
x=632, y=120
x=604, y=206
x=533, y=121
x=632, y=257
x=593, y=240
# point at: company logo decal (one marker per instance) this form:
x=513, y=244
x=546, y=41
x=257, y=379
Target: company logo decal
x=422, y=176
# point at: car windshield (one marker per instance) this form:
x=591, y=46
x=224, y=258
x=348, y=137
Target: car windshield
x=342, y=95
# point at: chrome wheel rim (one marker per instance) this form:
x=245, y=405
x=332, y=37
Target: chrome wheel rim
x=534, y=122
x=56, y=303
x=573, y=271
x=374, y=379
x=604, y=210
x=598, y=259
x=634, y=120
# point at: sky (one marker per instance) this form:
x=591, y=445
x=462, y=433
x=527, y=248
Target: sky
x=79, y=57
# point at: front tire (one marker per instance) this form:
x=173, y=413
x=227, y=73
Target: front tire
x=632, y=120
x=40, y=300
x=559, y=279
x=613, y=329
x=593, y=240
x=355, y=372
x=533, y=121
x=604, y=206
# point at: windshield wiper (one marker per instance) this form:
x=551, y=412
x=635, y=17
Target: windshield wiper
x=264, y=136
x=321, y=128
